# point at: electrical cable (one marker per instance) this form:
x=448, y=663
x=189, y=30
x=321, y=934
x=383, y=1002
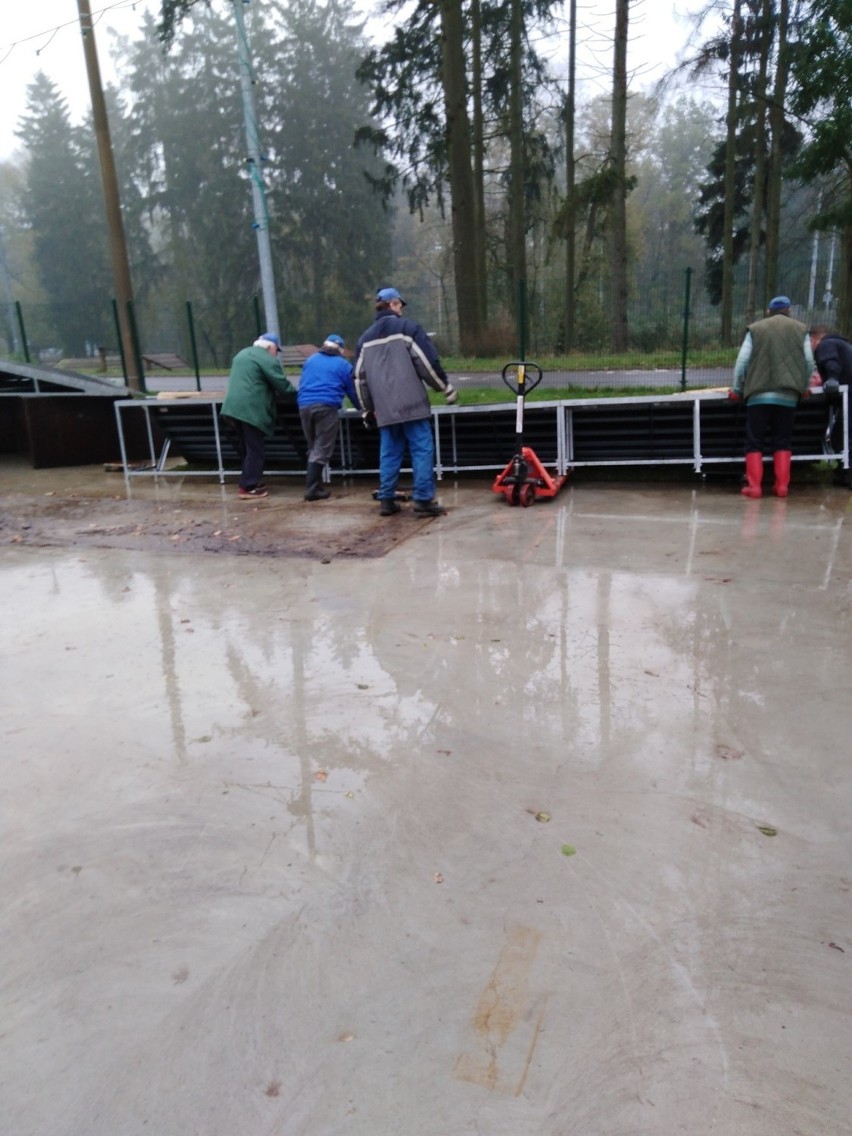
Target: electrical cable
x=97, y=16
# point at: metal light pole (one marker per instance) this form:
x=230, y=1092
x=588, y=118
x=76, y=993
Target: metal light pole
x=112, y=203
x=261, y=213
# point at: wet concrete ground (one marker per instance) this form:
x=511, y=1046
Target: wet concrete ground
x=530, y=821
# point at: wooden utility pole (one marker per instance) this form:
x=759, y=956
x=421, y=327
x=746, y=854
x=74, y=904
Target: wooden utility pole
x=112, y=203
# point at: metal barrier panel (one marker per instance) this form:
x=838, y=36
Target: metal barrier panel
x=694, y=428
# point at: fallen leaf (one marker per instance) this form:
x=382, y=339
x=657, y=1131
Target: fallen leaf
x=320, y=775
x=767, y=830
x=835, y=947
x=542, y=818
x=728, y=754
x=568, y=850
x=346, y=1037
x=438, y=878
x=273, y=1089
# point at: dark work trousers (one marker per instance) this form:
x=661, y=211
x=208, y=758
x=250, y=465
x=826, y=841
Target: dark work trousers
x=320, y=426
x=252, y=451
x=764, y=419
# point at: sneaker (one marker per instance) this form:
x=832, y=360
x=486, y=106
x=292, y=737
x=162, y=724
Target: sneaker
x=389, y=507
x=249, y=494
x=429, y=509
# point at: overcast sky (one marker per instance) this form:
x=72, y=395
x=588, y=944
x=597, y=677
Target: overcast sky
x=45, y=35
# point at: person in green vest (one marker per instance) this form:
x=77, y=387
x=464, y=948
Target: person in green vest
x=772, y=373
x=255, y=381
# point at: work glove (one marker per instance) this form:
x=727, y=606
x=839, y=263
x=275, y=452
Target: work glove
x=451, y=395
x=734, y=396
x=368, y=417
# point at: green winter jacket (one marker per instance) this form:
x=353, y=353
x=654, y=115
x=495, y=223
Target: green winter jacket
x=774, y=360
x=255, y=381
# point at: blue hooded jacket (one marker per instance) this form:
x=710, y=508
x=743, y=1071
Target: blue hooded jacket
x=326, y=380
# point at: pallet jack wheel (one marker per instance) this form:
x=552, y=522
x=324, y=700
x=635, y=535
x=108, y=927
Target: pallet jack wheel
x=527, y=495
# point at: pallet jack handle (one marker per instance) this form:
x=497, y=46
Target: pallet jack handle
x=521, y=378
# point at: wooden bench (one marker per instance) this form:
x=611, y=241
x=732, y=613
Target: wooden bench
x=166, y=362
x=294, y=355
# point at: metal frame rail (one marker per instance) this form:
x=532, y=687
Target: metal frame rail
x=665, y=428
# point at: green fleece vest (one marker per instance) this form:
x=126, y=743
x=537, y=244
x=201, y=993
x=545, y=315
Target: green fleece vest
x=777, y=357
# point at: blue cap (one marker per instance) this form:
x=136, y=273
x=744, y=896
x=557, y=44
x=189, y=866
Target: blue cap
x=272, y=337
x=338, y=339
x=388, y=294
x=778, y=303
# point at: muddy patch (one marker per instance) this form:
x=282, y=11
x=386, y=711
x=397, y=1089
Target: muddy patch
x=278, y=526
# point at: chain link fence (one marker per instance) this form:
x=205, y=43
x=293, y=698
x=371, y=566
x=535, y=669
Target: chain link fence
x=673, y=330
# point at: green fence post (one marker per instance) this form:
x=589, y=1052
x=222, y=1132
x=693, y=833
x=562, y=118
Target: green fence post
x=134, y=335
x=19, y=313
x=522, y=319
x=192, y=344
x=120, y=340
x=687, y=289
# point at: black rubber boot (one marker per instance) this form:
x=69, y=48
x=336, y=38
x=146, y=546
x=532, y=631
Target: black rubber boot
x=315, y=490
x=388, y=507
x=429, y=509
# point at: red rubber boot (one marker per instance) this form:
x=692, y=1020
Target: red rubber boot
x=754, y=475
x=782, y=472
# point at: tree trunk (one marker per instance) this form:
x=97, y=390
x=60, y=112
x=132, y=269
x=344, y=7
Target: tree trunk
x=776, y=127
x=570, y=181
x=517, y=225
x=618, y=158
x=730, y=179
x=453, y=80
x=844, y=310
x=757, y=211
x=479, y=164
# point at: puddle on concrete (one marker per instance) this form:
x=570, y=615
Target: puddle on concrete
x=294, y=803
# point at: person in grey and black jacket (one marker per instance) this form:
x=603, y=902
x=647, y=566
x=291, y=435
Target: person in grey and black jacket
x=833, y=359
x=395, y=358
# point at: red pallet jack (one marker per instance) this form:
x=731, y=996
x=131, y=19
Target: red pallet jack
x=525, y=478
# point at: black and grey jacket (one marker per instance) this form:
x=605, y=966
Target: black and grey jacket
x=395, y=358
x=833, y=358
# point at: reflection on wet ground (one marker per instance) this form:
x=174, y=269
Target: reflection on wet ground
x=537, y=823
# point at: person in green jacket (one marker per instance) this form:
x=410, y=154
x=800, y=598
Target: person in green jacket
x=255, y=381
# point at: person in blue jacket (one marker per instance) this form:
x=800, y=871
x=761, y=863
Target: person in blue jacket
x=326, y=380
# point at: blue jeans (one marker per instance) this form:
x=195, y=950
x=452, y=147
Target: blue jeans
x=421, y=446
